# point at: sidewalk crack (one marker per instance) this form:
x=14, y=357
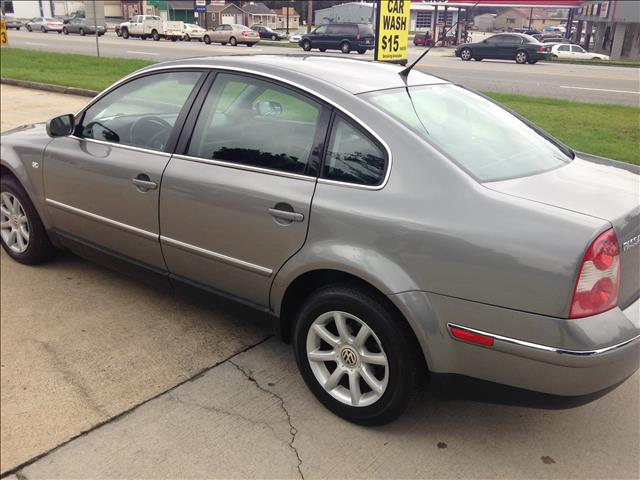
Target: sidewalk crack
x=292, y=430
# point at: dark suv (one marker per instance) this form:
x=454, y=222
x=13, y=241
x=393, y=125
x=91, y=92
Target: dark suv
x=340, y=36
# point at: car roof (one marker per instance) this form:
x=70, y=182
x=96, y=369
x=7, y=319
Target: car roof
x=355, y=76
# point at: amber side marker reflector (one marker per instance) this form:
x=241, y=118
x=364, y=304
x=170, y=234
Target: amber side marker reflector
x=471, y=337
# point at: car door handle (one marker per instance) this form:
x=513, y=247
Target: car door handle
x=285, y=215
x=143, y=183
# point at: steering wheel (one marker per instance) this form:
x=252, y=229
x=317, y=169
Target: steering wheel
x=150, y=132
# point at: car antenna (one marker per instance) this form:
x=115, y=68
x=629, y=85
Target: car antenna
x=405, y=72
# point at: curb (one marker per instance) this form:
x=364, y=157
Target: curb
x=49, y=88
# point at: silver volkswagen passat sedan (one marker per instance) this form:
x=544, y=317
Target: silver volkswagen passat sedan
x=392, y=225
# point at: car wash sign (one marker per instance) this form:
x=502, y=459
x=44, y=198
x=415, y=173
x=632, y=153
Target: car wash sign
x=392, y=20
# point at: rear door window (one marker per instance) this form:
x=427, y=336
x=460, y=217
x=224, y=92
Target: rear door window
x=256, y=123
x=352, y=156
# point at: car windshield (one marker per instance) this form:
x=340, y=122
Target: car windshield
x=483, y=138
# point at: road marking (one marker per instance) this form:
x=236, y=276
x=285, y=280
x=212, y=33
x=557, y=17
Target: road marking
x=142, y=53
x=600, y=89
x=34, y=43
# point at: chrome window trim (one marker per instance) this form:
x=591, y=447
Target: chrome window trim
x=241, y=166
x=278, y=79
x=545, y=348
x=252, y=267
x=99, y=218
x=120, y=145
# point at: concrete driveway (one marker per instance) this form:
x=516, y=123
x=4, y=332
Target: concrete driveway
x=104, y=377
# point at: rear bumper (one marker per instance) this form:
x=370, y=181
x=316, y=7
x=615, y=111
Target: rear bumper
x=544, y=354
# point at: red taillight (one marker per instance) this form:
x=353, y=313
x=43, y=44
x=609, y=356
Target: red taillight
x=471, y=337
x=194, y=31
x=599, y=277
x=358, y=36
x=245, y=34
x=542, y=49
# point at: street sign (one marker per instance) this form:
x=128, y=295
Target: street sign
x=3, y=33
x=201, y=6
x=392, y=36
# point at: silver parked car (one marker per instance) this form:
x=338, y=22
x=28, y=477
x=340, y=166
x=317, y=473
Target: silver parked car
x=232, y=34
x=391, y=226
x=44, y=25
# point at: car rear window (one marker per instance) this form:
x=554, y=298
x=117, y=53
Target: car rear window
x=486, y=140
x=365, y=29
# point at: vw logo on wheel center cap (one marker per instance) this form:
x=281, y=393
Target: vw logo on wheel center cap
x=349, y=356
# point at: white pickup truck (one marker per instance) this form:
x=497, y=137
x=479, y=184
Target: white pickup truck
x=151, y=26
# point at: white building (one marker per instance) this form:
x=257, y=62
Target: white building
x=30, y=8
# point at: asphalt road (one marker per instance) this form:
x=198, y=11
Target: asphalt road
x=587, y=83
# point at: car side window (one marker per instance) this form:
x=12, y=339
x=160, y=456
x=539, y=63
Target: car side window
x=577, y=48
x=495, y=40
x=322, y=29
x=140, y=113
x=563, y=48
x=352, y=156
x=257, y=123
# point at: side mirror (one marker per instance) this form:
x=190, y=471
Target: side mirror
x=267, y=108
x=61, y=126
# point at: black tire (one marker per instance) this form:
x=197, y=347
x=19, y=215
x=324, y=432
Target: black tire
x=396, y=339
x=125, y=33
x=59, y=32
x=155, y=35
x=39, y=249
x=345, y=47
x=223, y=43
x=207, y=39
x=466, y=54
x=65, y=31
x=233, y=42
x=322, y=49
x=532, y=62
x=18, y=28
x=28, y=27
x=521, y=57
x=119, y=33
x=274, y=38
x=362, y=52
x=143, y=37
x=250, y=44
x=43, y=30
x=174, y=39
x=306, y=46
x=187, y=38
x=81, y=32
x=478, y=59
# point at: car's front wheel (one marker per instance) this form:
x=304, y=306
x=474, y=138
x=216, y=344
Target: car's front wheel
x=522, y=57
x=233, y=42
x=465, y=54
x=187, y=38
x=306, y=46
x=206, y=39
x=22, y=233
x=274, y=37
x=82, y=32
x=65, y=31
x=345, y=47
x=125, y=33
x=355, y=354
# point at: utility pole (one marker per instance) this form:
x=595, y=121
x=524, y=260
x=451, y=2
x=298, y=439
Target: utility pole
x=95, y=25
x=530, y=18
x=287, y=19
x=309, y=15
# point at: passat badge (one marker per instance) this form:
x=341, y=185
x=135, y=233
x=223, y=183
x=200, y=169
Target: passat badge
x=632, y=242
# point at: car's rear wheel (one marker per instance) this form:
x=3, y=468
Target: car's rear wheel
x=233, y=42
x=355, y=354
x=155, y=35
x=532, y=62
x=125, y=33
x=43, y=30
x=362, y=52
x=478, y=59
x=322, y=49
x=522, y=57
x=65, y=31
x=306, y=46
x=22, y=233
x=82, y=32
x=206, y=39
x=174, y=39
x=250, y=44
x=187, y=38
x=29, y=28
x=465, y=54
x=274, y=37
x=345, y=47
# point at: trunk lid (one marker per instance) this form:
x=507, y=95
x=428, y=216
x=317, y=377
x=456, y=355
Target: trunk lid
x=597, y=187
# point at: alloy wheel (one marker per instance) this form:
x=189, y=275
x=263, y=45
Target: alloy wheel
x=465, y=54
x=521, y=57
x=347, y=359
x=14, y=224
